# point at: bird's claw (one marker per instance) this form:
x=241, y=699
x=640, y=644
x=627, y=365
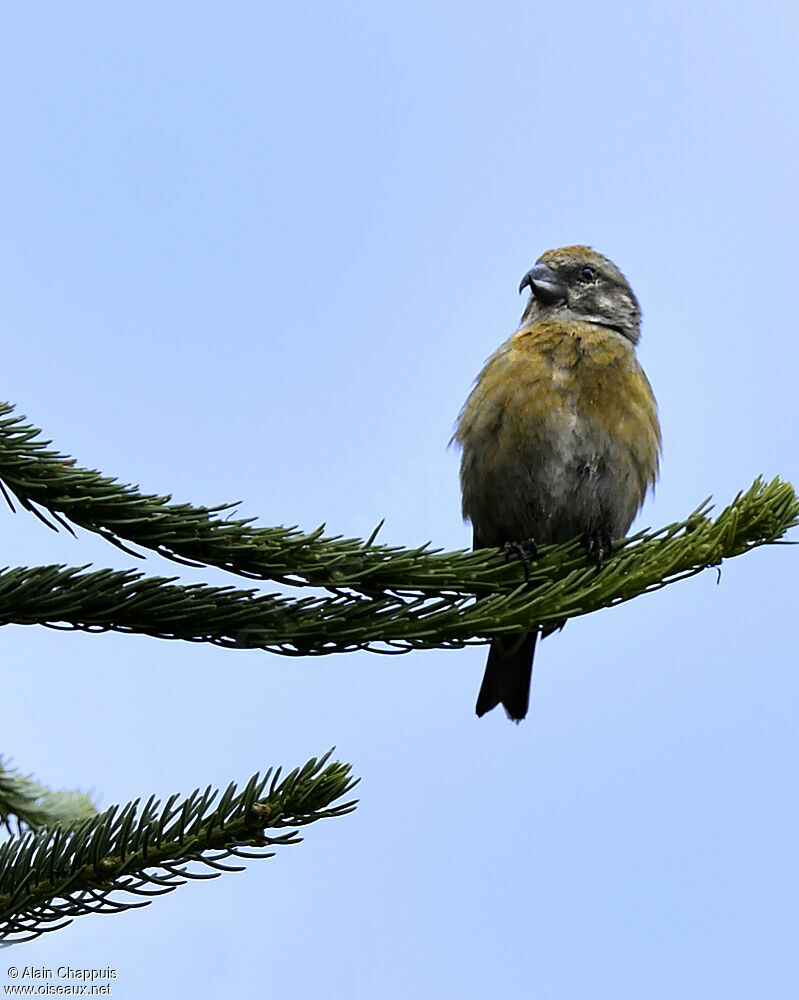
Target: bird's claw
x=524, y=551
x=598, y=544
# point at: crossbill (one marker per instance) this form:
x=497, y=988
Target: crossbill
x=560, y=435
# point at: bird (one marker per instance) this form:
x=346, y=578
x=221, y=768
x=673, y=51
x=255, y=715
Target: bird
x=560, y=436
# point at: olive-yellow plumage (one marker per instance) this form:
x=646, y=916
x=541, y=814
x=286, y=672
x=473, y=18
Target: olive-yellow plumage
x=560, y=434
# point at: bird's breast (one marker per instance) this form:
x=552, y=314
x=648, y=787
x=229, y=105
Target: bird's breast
x=561, y=417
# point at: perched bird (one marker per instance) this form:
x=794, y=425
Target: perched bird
x=560, y=434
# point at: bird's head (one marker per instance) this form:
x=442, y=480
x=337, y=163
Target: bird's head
x=579, y=283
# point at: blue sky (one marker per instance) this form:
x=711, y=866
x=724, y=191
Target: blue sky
x=259, y=252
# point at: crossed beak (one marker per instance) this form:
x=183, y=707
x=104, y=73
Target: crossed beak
x=545, y=285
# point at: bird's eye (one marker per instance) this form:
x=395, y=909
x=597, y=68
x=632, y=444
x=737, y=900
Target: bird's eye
x=587, y=273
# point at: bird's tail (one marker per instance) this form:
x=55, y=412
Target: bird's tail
x=508, y=674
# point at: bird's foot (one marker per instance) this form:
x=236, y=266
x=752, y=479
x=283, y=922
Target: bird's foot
x=598, y=544
x=524, y=551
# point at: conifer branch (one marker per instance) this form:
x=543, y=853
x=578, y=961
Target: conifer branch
x=130, y=853
x=41, y=478
x=31, y=804
x=44, y=479
x=562, y=585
